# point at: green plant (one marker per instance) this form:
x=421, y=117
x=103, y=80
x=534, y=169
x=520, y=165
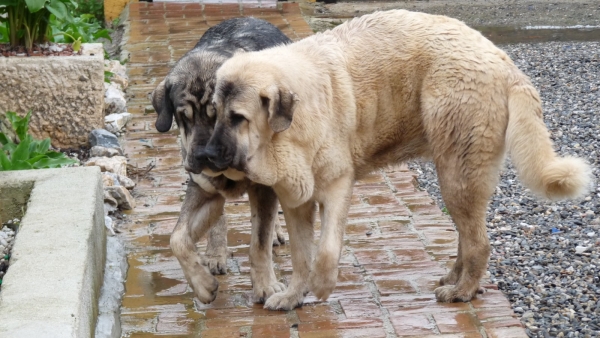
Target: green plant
x=3, y=32
x=93, y=7
x=84, y=28
x=28, y=153
x=26, y=21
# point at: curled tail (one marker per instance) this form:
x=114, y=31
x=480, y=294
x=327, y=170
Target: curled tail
x=528, y=140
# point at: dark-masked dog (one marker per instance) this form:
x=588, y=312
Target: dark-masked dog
x=186, y=95
x=311, y=117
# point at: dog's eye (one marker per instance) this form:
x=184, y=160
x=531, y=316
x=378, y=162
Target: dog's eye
x=236, y=118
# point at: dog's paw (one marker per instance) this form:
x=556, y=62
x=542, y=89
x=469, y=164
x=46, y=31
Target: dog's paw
x=278, y=239
x=322, y=284
x=205, y=287
x=451, y=294
x=449, y=279
x=284, y=301
x=216, y=264
x=262, y=292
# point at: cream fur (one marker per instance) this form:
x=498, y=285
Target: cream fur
x=379, y=90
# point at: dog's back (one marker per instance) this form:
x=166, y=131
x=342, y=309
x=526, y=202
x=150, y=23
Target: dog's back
x=248, y=34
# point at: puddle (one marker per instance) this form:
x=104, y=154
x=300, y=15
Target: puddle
x=510, y=35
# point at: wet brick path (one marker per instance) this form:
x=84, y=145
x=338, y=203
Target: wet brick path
x=398, y=243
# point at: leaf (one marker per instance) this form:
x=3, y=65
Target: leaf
x=8, y=3
x=21, y=165
x=19, y=124
x=43, y=146
x=59, y=9
x=35, y=5
x=102, y=34
x=54, y=154
x=35, y=159
x=77, y=44
x=9, y=147
x=4, y=139
x=22, y=152
x=5, y=163
x=53, y=162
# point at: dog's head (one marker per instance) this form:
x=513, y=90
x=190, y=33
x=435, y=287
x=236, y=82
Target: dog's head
x=252, y=104
x=186, y=96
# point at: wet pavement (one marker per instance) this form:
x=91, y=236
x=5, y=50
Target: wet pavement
x=398, y=243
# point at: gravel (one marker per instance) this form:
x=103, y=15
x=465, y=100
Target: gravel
x=545, y=256
x=7, y=239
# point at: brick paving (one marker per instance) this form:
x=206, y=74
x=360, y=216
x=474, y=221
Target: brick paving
x=398, y=242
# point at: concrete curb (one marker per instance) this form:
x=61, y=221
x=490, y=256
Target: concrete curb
x=52, y=286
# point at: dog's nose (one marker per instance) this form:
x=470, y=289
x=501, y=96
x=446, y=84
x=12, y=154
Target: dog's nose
x=200, y=157
x=210, y=153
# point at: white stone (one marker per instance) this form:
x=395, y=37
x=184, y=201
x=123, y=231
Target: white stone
x=98, y=151
x=580, y=249
x=115, y=122
x=120, y=80
x=108, y=222
x=114, y=100
x=122, y=196
x=126, y=182
x=115, y=67
x=115, y=164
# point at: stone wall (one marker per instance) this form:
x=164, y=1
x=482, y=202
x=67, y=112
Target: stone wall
x=65, y=94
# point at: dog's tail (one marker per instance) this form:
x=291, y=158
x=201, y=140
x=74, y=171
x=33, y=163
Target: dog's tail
x=528, y=140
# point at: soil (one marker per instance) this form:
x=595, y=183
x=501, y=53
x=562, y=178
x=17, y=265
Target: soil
x=82, y=154
x=46, y=49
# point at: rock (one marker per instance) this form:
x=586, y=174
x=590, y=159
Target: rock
x=108, y=222
x=115, y=122
x=98, y=151
x=110, y=200
x=115, y=67
x=114, y=100
x=103, y=138
x=115, y=164
x=149, y=110
x=120, y=80
x=56, y=48
x=122, y=196
x=126, y=182
x=580, y=249
x=107, y=180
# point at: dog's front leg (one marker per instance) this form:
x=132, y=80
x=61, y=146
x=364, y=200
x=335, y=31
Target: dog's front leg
x=263, y=208
x=334, y=213
x=200, y=211
x=216, y=248
x=300, y=226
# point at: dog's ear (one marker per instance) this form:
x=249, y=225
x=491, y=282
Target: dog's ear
x=164, y=108
x=280, y=104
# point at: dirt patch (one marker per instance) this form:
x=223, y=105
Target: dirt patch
x=82, y=154
x=45, y=49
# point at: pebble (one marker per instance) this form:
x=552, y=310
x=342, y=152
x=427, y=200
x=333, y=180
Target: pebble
x=550, y=275
x=104, y=138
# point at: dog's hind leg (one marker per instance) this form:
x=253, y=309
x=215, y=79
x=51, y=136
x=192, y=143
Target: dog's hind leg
x=263, y=209
x=200, y=211
x=216, y=248
x=300, y=227
x=466, y=134
x=278, y=235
